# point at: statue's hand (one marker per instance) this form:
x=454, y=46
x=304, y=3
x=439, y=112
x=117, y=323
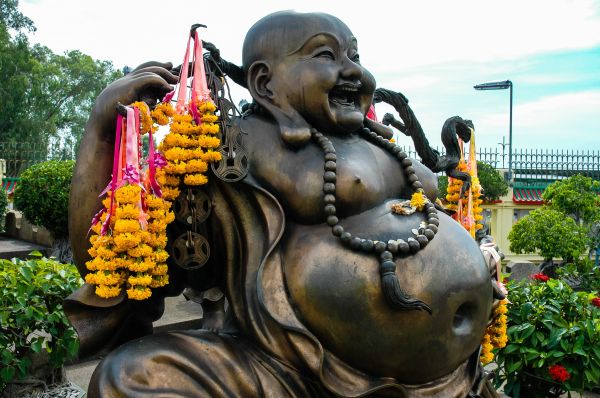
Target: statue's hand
x=213, y=50
x=148, y=82
x=458, y=126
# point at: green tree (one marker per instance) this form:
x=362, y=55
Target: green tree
x=11, y=18
x=494, y=186
x=576, y=196
x=45, y=97
x=549, y=233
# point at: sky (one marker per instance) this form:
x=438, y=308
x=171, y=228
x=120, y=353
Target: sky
x=434, y=52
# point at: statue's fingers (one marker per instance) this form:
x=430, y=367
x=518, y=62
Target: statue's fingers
x=164, y=73
x=151, y=85
x=164, y=65
x=177, y=70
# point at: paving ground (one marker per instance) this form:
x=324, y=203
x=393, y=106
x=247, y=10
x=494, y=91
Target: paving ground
x=10, y=248
x=180, y=314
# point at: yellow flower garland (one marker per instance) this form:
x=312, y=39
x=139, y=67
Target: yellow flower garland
x=188, y=149
x=495, y=334
x=132, y=254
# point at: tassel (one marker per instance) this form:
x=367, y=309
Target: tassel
x=392, y=292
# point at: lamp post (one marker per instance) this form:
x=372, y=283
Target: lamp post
x=501, y=86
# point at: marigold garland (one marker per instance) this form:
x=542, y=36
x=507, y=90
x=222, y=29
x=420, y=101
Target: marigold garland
x=467, y=208
x=495, y=334
x=129, y=252
x=189, y=147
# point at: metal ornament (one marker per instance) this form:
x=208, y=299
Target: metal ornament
x=190, y=250
x=195, y=206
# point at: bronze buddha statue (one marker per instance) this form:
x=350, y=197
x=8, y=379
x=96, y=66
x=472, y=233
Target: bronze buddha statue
x=302, y=265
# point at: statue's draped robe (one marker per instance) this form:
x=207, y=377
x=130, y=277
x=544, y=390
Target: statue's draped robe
x=268, y=353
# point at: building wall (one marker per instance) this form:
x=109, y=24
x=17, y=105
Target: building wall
x=503, y=216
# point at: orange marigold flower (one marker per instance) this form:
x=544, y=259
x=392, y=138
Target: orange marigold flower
x=195, y=166
x=418, y=200
x=159, y=281
x=170, y=193
x=128, y=211
x=126, y=225
x=126, y=241
x=140, y=279
x=195, y=179
x=107, y=291
x=128, y=194
x=137, y=293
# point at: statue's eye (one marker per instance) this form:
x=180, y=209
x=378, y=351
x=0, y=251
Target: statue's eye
x=325, y=54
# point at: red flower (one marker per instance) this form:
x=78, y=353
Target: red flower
x=559, y=373
x=596, y=301
x=540, y=277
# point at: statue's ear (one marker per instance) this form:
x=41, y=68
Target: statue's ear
x=295, y=131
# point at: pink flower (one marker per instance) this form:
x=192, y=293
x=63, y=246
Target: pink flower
x=596, y=301
x=540, y=277
x=559, y=373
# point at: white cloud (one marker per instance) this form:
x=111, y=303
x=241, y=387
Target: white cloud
x=392, y=35
x=557, y=109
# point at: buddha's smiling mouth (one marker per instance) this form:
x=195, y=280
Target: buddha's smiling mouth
x=345, y=94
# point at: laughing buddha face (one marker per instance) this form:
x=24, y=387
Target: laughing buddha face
x=306, y=71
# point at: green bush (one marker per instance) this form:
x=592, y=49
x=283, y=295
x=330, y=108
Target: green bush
x=550, y=327
x=550, y=233
x=31, y=314
x=3, y=208
x=43, y=195
x=494, y=186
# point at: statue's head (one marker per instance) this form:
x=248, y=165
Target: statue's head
x=304, y=69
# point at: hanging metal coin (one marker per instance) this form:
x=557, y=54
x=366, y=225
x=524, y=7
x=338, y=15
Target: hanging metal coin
x=196, y=202
x=190, y=250
x=233, y=165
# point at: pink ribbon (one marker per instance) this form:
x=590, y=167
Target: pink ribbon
x=113, y=183
x=183, y=78
x=153, y=161
x=200, y=91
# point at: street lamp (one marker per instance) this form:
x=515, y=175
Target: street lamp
x=501, y=86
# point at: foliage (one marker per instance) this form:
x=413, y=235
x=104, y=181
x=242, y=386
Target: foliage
x=31, y=314
x=576, y=196
x=3, y=208
x=494, y=186
x=581, y=275
x=442, y=186
x=43, y=195
x=550, y=324
x=11, y=18
x=45, y=97
x=491, y=181
x=549, y=233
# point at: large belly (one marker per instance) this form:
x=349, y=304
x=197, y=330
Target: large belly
x=337, y=294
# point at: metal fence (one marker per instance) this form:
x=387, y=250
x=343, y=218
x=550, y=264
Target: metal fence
x=536, y=164
x=21, y=155
x=528, y=164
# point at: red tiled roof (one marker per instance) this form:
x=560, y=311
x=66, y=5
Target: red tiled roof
x=528, y=196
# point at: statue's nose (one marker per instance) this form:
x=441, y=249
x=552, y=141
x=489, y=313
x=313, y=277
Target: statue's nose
x=351, y=70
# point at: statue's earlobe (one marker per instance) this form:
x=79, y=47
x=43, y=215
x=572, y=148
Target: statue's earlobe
x=295, y=131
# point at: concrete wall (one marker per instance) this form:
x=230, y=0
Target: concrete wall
x=501, y=222
x=18, y=227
